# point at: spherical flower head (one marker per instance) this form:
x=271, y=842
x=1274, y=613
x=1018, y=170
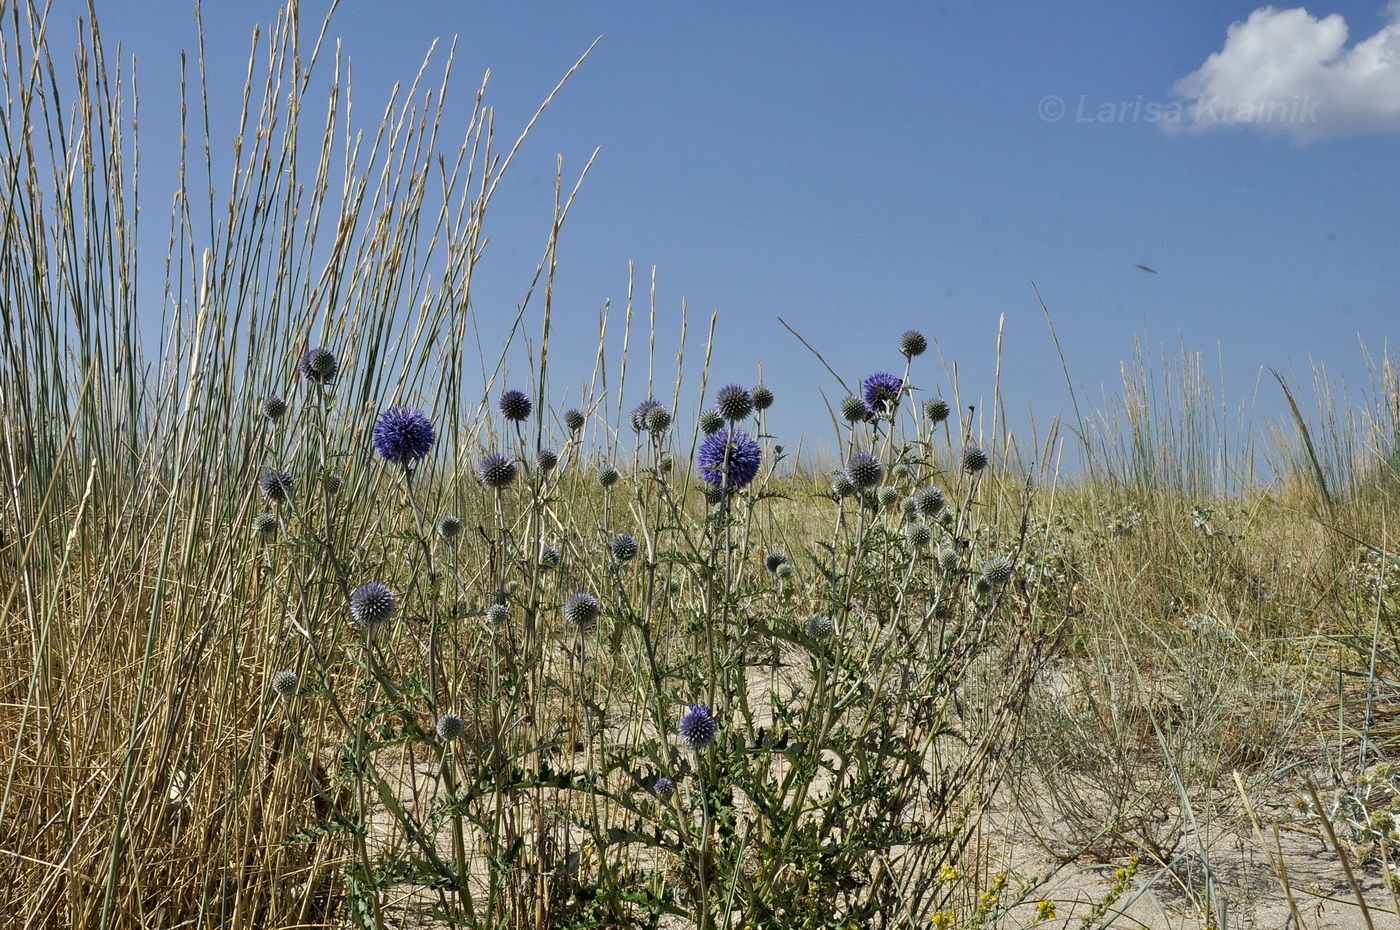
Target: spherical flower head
x=711, y=422
x=449, y=527
x=888, y=497
x=658, y=419
x=549, y=556
x=715, y=496
x=854, y=410
x=372, y=603
x=821, y=626
x=285, y=682
x=607, y=475
x=947, y=559
x=319, y=365
x=663, y=787
x=274, y=407
x=265, y=525
x=581, y=608
x=450, y=728
x=930, y=501
x=918, y=534
x=638, y=416
x=697, y=728
x=983, y=585
x=775, y=560
x=573, y=419
x=497, y=614
x=936, y=410
x=865, y=470
x=946, y=518
x=913, y=343
x=881, y=392
x=332, y=482
x=733, y=402
x=974, y=459
x=403, y=435
x=910, y=508
x=515, y=406
x=276, y=484
x=623, y=548
x=762, y=397
x=783, y=571
x=730, y=459
x=546, y=459
x=841, y=485
x=496, y=471
x=997, y=570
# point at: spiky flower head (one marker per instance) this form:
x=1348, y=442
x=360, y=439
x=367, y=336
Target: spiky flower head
x=913, y=343
x=730, y=459
x=515, y=406
x=497, y=614
x=715, y=496
x=947, y=559
x=546, y=459
x=865, y=470
x=658, y=419
x=496, y=471
x=821, y=626
x=918, y=534
x=663, y=787
x=265, y=525
x=853, y=410
x=665, y=463
x=997, y=570
x=449, y=526
x=983, y=585
x=638, y=416
x=909, y=507
x=930, y=500
x=623, y=547
x=733, y=402
x=332, y=482
x=581, y=608
x=881, y=392
x=403, y=435
x=285, y=682
x=573, y=419
x=549, y=556
x=275, y=484
x=319, y=365
x=974, y=459
x=936, y=410
x=775, y=560
x=762, y=397
x=697, y=728
x=607, y=475
x=274, y=407
x=783, y=571
x=711, y=422
x=946, y=518
x=450, y=728
x=888, y=496
x=841, y=485
x=372, y=603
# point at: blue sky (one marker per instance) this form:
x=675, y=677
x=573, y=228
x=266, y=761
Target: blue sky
x=859, y=173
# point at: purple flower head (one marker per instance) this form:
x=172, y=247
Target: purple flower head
x=623, y=547
x=697, y=728
x=663, y=787
x=516, y=406
x=372, y=603
x=741, y=465
x=319, y=365
x=276, y=484
x=495, y=471
x=403, y=435
x=581, y=608
x=573, y=419
x=881, y=391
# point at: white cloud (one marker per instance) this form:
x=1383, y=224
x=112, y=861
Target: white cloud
x=1286, y=72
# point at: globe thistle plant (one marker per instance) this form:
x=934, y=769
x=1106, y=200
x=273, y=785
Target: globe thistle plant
x=865, y=470
x=881, y=392
x=762, y=397
x=888, y=497
x=974, y=459
x=549, y=556
x=623, y=548
x=783, y=572
x=449, y=527
x=403, y=436
x=842, y=486
x=284, y=683
x=450, y=728
x=821, y=626
x=573, y=419
x=909, y=507
x=733, y=402
x=276, y=485
x=515, y=406
x=581, y=608
x=332, y=482
x=697, y=728
x=918, y=534
x=265, y=525
x=274, y=407
x=913, y=343
x=319, y=365
x=997, y=570
x=930, y=501
x=729, y=460
x=372, y=604
x=496, y=471
x=546, y=459
x=936, y=410
x=658, y=419
x=854, y=410
x=497, y=614
x=663, y=787
x=607, y=475
x=711, y=422
x=639, y=414
x=947, y=559
x=775, y=560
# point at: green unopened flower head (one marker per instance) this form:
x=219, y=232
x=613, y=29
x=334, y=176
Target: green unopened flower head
x=285, y=682
x=265, y=525
x=607, y=475
x=918, y=534
x=450, y=728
